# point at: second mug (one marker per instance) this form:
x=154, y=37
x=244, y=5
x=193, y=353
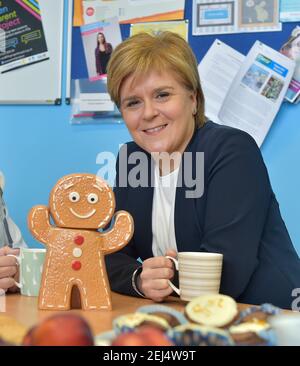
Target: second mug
x=30, y=262
x=199, y=274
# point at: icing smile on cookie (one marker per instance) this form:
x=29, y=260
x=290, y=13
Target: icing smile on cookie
x=88, y=215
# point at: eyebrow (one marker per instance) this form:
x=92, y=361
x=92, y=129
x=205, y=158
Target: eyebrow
x=131, y=97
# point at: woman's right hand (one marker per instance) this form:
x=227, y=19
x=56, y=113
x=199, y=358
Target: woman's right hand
x=153, y=280
x=8, y=268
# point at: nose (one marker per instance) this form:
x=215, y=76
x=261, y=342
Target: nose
x=150, y=111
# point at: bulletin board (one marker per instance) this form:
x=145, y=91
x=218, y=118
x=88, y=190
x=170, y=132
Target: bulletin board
x=242, y=42
x=39, y=83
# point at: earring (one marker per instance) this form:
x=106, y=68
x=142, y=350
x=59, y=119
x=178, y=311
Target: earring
x=194, y=112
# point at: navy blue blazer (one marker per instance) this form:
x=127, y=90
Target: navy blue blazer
x=237, y=215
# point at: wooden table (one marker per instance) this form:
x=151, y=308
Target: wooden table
x=24, y=309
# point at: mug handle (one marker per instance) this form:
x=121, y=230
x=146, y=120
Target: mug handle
x=18, y=284
x=173, y=287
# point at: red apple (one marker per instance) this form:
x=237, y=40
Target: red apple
x=143, y=336
x=60, y=330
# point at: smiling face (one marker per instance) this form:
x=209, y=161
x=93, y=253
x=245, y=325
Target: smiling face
x=158, y=111
x=82, y=201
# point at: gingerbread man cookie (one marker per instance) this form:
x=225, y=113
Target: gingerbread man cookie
x=80, y=205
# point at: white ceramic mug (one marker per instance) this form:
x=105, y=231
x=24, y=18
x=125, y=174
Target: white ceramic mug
x=286, y=328
x=199, y=274
x=31, y=262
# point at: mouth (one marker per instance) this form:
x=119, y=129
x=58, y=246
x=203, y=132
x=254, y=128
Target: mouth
x=86, y=216
x=155, y=130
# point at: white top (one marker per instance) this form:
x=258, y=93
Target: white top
x=163, y=228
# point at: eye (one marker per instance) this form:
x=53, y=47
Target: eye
x=132, y=103
x=74, y=197
x=92, y=198
x=162, y=95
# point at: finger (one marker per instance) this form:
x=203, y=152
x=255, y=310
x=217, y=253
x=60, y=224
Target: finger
x=159, y=295
x=6, y=261
x=6, y=283
x=7, y=250
x=156, y=285
x=157, y=273
x=157, y=262
x=171, y=253
x=14, y=251
x=8, y=271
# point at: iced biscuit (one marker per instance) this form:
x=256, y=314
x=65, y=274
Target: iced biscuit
x=212, y=310
x=80, y=205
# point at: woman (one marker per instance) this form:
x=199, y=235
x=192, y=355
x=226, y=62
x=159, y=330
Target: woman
x=155, y=83
x=10, y=240
x=102, y=54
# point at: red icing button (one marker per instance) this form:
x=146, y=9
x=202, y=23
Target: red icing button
x=79, y=239
x=76, y=265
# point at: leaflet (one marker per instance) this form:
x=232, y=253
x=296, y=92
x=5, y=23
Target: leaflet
x=245, y=92
x=217, y=69
x=235, y=16
x=132, y=11
x=22, y=38
x=291, y=49
x=99, y=40
x=289, y=10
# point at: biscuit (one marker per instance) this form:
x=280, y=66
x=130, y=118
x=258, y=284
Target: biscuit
x=80, y=205
x=212, y=310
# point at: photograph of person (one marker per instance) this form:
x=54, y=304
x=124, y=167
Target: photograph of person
x=154, y=81
x=102, y=53
x=99, y=39
x=291, y=49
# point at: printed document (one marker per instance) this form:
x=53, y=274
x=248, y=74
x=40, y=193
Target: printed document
x=245, y=92
x=289, y=10
x=291, y=49
x=133, y=11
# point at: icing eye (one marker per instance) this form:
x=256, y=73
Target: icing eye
x=74, y=197
x=92, y=198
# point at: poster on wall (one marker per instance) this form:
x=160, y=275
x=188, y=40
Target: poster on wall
x=235, y=16
x=99, y=40
x=22, y=38
x=131, y=11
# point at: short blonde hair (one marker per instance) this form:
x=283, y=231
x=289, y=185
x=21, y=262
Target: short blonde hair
x=165, y=51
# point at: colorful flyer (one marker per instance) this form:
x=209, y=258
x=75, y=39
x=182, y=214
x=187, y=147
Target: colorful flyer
x=291, y=49
x=130, y=11
x=176, y=26
x=289, y=10
x=23, y=40
x=235, y=16
x=99, y=40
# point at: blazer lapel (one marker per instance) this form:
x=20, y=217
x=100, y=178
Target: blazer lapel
x=188, y=230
